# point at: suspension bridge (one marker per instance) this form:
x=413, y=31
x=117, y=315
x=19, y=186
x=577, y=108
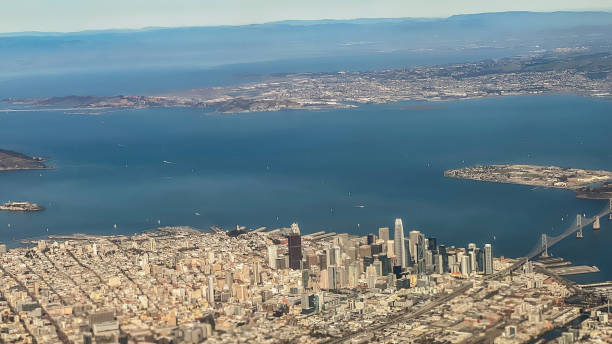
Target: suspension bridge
x=547, y=241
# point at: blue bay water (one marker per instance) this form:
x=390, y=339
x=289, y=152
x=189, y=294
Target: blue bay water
x=102, y=80
x=316, y=168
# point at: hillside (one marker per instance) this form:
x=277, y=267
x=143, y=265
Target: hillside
x=10, y=160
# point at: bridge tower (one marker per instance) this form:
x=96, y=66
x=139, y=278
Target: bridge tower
x=610, y=208
x=545, y=245
x=579, y=224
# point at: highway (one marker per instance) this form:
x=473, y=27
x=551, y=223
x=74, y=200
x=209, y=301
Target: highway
x=440, y=300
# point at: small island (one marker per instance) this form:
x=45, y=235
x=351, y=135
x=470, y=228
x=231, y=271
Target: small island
x=10, y=160
x=21, y=206
x=592, y=184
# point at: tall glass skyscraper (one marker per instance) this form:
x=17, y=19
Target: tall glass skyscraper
x=420, y=252
x=488, y=259
x=398, y=243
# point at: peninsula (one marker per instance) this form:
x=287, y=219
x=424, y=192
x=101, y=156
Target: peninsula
x=593, y=184
x=182, y=285
x=10, y=160
x=574, y=73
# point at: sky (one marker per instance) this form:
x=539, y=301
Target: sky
x=78, y=15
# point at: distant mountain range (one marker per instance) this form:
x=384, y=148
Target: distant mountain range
x=153, y=60
x=506, y=19
x=208, y=46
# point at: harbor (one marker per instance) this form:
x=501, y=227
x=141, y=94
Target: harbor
x=561, y=267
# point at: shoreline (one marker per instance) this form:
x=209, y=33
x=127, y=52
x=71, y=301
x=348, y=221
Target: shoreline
x=340, y=105
x=579, y=181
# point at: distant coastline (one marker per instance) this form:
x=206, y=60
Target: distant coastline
x=559, y=73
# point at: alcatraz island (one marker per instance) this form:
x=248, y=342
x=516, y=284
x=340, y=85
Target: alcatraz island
x=592, y=184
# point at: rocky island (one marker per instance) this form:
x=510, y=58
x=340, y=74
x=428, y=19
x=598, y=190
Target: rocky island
x=593, y=184
x=10, y=160
x=21, y=206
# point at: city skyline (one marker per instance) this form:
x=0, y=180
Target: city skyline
x=73, y=16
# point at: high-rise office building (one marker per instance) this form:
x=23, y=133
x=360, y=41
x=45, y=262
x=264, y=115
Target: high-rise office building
x=367, y=261
x=376, y=248
x=295, y=251
x=419, y=251
x=442, y=252
x=256, y=272
x=398, y=243
x=432, y=245
x=371, y=238
x=322, y=261
x=479, y=253
x=332, y=277
x=429, y=262
x=488, y=259
x=272, y=256
x=211, y=291
x=386, y=264
x=371, y=276
x=452, y=264
x=466, y=268
x=354, y=271
x=229, y=279
x=338, y=255
x=407, y=256
x=439, y=263
x=305, y=278
x=383, y=233
x=334, y=256
x=378, y=266
x=342, y=277
x=472, y=255
x=365, y=251
x=413, y=236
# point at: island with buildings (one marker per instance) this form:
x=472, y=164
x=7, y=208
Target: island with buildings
x=10, y=160
x=21, y=206
x=181, y=285
x=568, y=73
x=594, y=184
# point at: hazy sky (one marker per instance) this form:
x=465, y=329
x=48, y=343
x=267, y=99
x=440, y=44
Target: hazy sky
x=76, y=15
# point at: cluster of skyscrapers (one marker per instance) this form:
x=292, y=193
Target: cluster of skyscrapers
x=348, y=261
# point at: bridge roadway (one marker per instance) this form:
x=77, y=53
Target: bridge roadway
x=570, y=231
x=541, y=249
